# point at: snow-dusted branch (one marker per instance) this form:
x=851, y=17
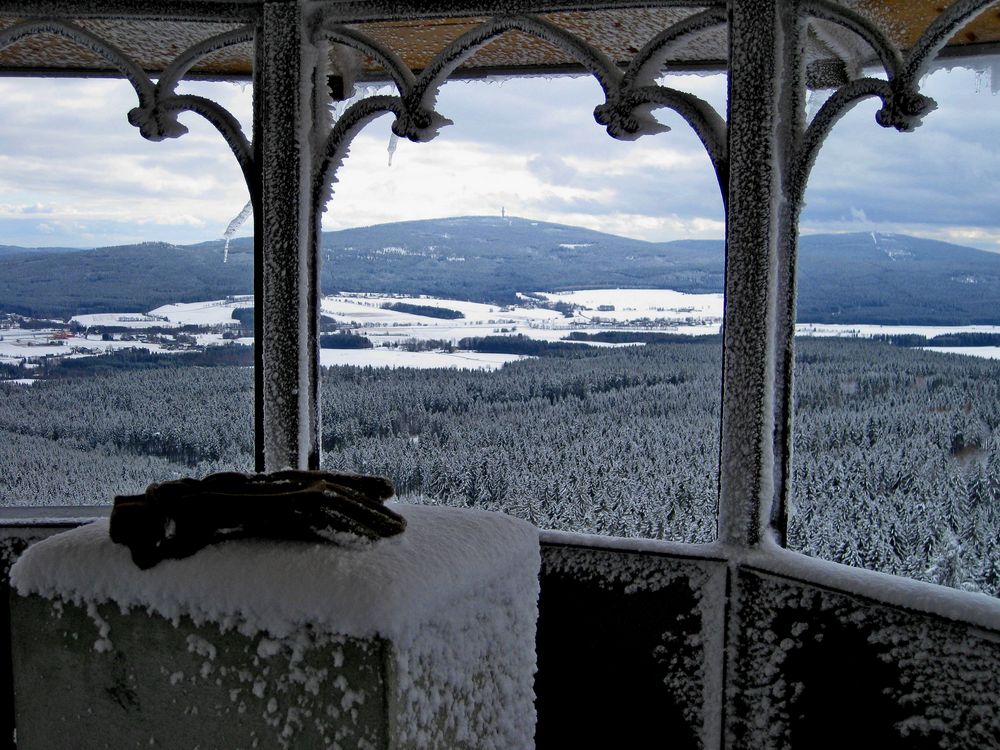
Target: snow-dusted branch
x=157, y=119
x=941, y=29
x=707, y=123
x=223, y=121
x=401, y=75
x=190, y=57
x=651, y=59
x=338, y=142
x=596, y=62
x=902, y=105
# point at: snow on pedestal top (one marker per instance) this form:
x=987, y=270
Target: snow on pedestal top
x=446, y=555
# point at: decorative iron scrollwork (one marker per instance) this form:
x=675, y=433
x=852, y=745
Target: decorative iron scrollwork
x=159, y=103
x=630, y=95
x=903, y=106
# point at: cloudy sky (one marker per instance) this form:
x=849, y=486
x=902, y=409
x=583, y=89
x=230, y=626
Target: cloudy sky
x=74, y=173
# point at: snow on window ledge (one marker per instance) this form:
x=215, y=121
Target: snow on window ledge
x=962, y=606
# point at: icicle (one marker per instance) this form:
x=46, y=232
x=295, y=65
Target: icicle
x=234, y=225
x=393, y=142
x=816, y=99
x=358, y=92
x=336, y=110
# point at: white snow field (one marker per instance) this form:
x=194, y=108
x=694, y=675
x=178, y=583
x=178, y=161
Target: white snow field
x=986, y=352
x=638, y=304
x=591, y=310
x=865, y=330
x=392, y=358
x=18, y=344
x=208, y=313
x=212, y=313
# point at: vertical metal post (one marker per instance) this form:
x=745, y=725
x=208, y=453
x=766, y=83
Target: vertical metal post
x=758, y=137
x=792, y=109
x=290, y=353
x=258, y=251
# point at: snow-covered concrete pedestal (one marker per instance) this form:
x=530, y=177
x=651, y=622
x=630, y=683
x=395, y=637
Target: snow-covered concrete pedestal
x=426, y=640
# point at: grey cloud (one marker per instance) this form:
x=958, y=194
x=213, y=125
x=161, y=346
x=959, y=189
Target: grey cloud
x=554, y=169
x=947, y=173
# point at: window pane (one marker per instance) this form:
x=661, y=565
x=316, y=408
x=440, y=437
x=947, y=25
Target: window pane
x=897, y=405
x=121, y=361
x=582, y=387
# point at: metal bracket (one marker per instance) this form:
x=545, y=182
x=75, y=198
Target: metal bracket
x=159, y=103
x=630, y=95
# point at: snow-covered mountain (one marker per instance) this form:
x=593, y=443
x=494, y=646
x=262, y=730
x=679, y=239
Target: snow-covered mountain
x=849, y=278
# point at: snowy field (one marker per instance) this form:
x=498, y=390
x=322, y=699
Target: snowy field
x=867, y=331
x=592, y=310
x=695, y=314
x=639, y=304
x=213, y=313
x=421, y=360
x=210, y=313
x=124, y=320
x=862, y=330
x=367, y=310
x=986, y=352
x=17, y=344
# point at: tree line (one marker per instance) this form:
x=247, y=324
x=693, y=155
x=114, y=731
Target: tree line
x=896, y=463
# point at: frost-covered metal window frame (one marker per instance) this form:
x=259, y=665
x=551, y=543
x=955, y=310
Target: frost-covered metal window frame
x=761, y=149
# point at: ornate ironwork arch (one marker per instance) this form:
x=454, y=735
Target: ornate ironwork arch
x=159, y=103
x=630, y=95
x=903, y=106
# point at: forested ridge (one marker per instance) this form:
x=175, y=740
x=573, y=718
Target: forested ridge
x=896, y=464
x=842, y=278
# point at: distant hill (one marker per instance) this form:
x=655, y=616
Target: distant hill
x=491, y=259
x=847, y=278
x=895, y=279
x=129, y=278
x=7, y=250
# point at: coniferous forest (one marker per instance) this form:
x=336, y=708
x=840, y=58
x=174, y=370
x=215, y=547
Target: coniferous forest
x=896, y=460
